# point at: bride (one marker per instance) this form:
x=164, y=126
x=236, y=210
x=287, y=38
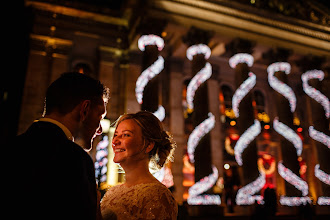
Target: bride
x=139, y=139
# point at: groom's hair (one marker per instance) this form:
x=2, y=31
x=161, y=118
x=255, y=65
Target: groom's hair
x=70, y=89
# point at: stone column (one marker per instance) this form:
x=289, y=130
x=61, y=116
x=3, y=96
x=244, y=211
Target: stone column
x=176, y=125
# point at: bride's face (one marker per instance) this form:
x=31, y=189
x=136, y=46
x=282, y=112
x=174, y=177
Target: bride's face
x=128, y=143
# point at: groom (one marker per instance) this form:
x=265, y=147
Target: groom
x=56, y=173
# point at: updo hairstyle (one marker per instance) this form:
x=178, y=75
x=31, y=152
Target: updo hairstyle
x=153, y=131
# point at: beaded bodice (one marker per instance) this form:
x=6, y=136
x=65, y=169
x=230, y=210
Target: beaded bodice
x=142, y=201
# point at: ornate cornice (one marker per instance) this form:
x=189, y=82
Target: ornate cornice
x=298, y=34
x=58, y=9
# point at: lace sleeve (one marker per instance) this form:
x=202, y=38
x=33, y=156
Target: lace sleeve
x=162, y=207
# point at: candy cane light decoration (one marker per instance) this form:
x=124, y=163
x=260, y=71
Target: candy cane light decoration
x=206, y=183
x=245, y=195
x=313, y=133
x=151, y=71
x=288, y=134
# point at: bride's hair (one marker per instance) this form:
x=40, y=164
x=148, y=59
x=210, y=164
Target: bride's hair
x=153, y=131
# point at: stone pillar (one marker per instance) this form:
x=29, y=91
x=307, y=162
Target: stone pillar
x=284, y=114
x=317, y=119
x=176, y=125
x=245, y=120
x=217, y=145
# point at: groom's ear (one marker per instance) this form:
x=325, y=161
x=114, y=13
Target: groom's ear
x=85, y=108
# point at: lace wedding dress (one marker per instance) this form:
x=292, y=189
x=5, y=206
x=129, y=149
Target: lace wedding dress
x=142, y=201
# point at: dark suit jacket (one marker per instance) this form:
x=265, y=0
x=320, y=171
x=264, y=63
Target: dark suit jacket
x=57, y=178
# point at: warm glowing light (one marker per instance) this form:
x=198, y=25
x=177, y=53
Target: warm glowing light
x=226, y=166
x=267, y=127
x=232, y=123
x=279, y=86
x=299, y=129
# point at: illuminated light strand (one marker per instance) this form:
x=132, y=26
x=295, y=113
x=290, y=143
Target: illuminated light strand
x=200, y=77
x=198, y=49
x=146, y=76
x=321, y=175
x=160, y=113
x=241, y=58
x=245, y=194
x=279, y=86
x=295, y=201
x=150, y=39
x=323, y=200
x=102, y=159
x=203, y=75
x=314, y=93
x=292, y=178
x=242, y=91
x=198, y=133
x=289, y=134
x=319, y=136
x=247, y=137
x=153, y=70
x=202, y=186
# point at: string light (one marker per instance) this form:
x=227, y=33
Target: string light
x=319, y=136
x=198, y=49
x=160, y=113
x=203, y=75
x=195, y=191
x=198, y=133
x=200, y=77
x=150, y=39
x=289, y=134
x=206, y=183
x=279, y=86
x=241, y=58
x=101, y=159
x=294, y=201
x=292, y=178
x=244, y=194
x=247, y=137
x=242, y=91
x=153, y=70
x=314, y=93
x=146, y=76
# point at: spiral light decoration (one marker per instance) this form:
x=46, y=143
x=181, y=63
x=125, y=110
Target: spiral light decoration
x=312, y=92
x=245, y=194
x=313, y=133
x=200, y=77
x=151, y=71
x=206, y=183
x=279, y=86
x=288, y=134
